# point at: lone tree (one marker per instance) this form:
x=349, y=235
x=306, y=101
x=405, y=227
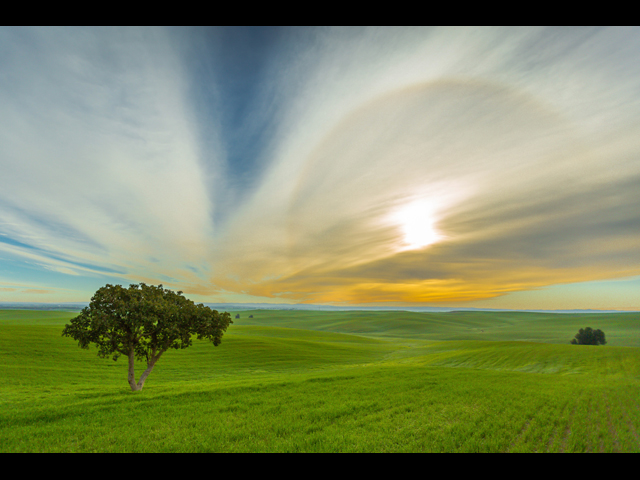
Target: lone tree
x=142, y=322
x=588, y=336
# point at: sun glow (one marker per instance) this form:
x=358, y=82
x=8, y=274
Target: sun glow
x=417, y=221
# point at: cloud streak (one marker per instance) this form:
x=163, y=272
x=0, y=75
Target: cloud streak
x=100, y=164
x=524, y=156
x=514, y=149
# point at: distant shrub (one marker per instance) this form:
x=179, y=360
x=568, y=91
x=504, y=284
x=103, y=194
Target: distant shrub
x=589, y=336
x=237, y=315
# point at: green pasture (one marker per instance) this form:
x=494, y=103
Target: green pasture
x=308, y=381
x=621, y=329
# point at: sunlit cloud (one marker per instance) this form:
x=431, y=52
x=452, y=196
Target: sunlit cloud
x=369, y=165
x=417, y=221
x=515, y=175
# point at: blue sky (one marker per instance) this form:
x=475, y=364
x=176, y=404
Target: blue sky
x=491, y=167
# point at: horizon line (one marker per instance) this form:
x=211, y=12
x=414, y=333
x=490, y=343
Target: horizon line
x=306, y=306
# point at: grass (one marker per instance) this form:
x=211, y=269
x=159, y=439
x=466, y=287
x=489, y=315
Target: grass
x=331, y=382
x=621, y=329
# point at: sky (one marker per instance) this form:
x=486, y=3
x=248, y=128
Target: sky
x=468, y=167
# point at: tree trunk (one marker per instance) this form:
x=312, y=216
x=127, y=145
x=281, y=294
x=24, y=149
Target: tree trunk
x=146, y=373
x=132, y=378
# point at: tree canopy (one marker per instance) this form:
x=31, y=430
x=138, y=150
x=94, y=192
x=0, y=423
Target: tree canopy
x=142, y=322
x=589, y=336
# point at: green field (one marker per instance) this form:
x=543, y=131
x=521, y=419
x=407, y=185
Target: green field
x=308, y=381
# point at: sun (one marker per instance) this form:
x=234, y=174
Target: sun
x=417, y=222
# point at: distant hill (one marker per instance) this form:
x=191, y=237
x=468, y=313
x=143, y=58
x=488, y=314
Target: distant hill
x=332, y=308
x=77, y=306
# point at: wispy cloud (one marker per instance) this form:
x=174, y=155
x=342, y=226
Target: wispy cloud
x=99, y=157
x=513, y=151
x=523, y=146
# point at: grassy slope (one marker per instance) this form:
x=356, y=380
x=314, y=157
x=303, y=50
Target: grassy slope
x=35, y=317
x=269, y=388
x=621, y=329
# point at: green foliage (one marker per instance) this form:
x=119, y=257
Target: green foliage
x=143, y=321
x=589, y=336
